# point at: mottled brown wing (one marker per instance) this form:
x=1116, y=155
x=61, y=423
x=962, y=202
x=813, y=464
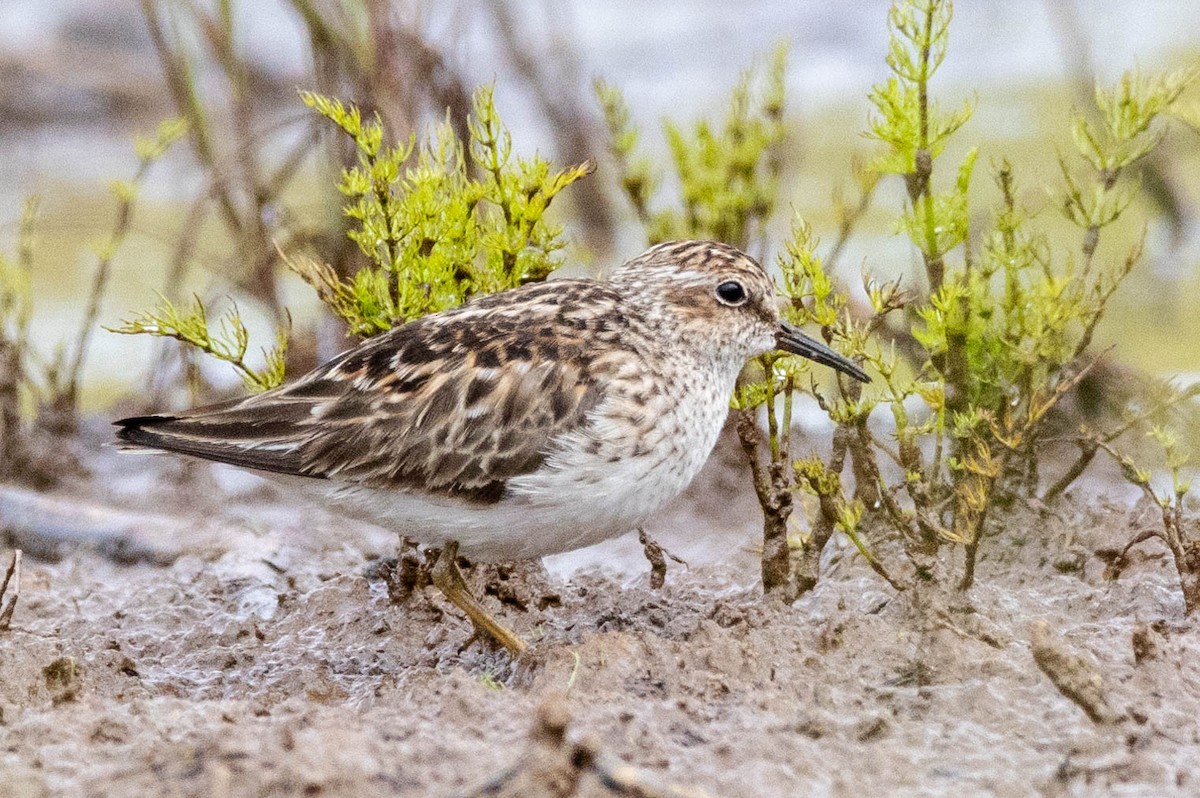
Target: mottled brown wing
x=456, y=404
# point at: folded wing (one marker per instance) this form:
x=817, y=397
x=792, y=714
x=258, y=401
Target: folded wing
x=455, y=404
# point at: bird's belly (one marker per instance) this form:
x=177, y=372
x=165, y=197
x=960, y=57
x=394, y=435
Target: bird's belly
x=590, y=490
x=565, y=510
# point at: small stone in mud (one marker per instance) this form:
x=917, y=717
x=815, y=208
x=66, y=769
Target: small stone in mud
x=1074, y=676
x=62, y=680
x=871, y=728
x=1147, y=643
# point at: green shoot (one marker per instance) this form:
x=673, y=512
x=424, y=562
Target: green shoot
x=434, y=230
x=438, y=222
x=728, y=175
x=229, y=342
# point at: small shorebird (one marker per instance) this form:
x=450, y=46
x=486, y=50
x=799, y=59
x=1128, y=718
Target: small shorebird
x=521, y=424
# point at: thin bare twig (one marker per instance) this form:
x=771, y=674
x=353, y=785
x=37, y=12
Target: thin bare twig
x=67, y=391
x=180, y=77
x=13, y=576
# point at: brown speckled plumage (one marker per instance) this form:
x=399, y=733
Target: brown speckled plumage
x=456, y=403
x=560, y=398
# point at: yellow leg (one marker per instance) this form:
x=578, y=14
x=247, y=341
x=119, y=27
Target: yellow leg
x=450, y=581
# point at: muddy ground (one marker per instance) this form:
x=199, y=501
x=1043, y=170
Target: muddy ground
x=249, y=647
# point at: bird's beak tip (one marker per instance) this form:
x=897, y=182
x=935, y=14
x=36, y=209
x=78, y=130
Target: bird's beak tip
x=789, y=339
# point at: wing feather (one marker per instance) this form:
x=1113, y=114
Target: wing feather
x=455, y=404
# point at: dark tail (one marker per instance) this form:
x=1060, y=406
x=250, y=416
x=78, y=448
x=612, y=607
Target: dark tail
x=138, y=432
x=211, y=436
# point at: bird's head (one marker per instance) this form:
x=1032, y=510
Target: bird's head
x=717, y=299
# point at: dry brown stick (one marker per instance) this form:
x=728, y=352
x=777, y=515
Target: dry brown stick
x=180, y=81
x=13, y=576
x=556, y=765
x=657, y=557
x=554, y=76
x=621, y=778
x=67, y=391
x=775, y=499
x=654, y=554
x=1114, y=569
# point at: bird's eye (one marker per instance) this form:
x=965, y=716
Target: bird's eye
x=731, y=292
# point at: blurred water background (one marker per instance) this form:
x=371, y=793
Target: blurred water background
x=79, y=78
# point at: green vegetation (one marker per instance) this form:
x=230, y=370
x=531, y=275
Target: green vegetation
x=435, y=230
x=728, y=176
x=972, y=360
x=229, y=343
x=435, y=234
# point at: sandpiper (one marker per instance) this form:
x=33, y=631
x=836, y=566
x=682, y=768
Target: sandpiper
x=521, y=424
